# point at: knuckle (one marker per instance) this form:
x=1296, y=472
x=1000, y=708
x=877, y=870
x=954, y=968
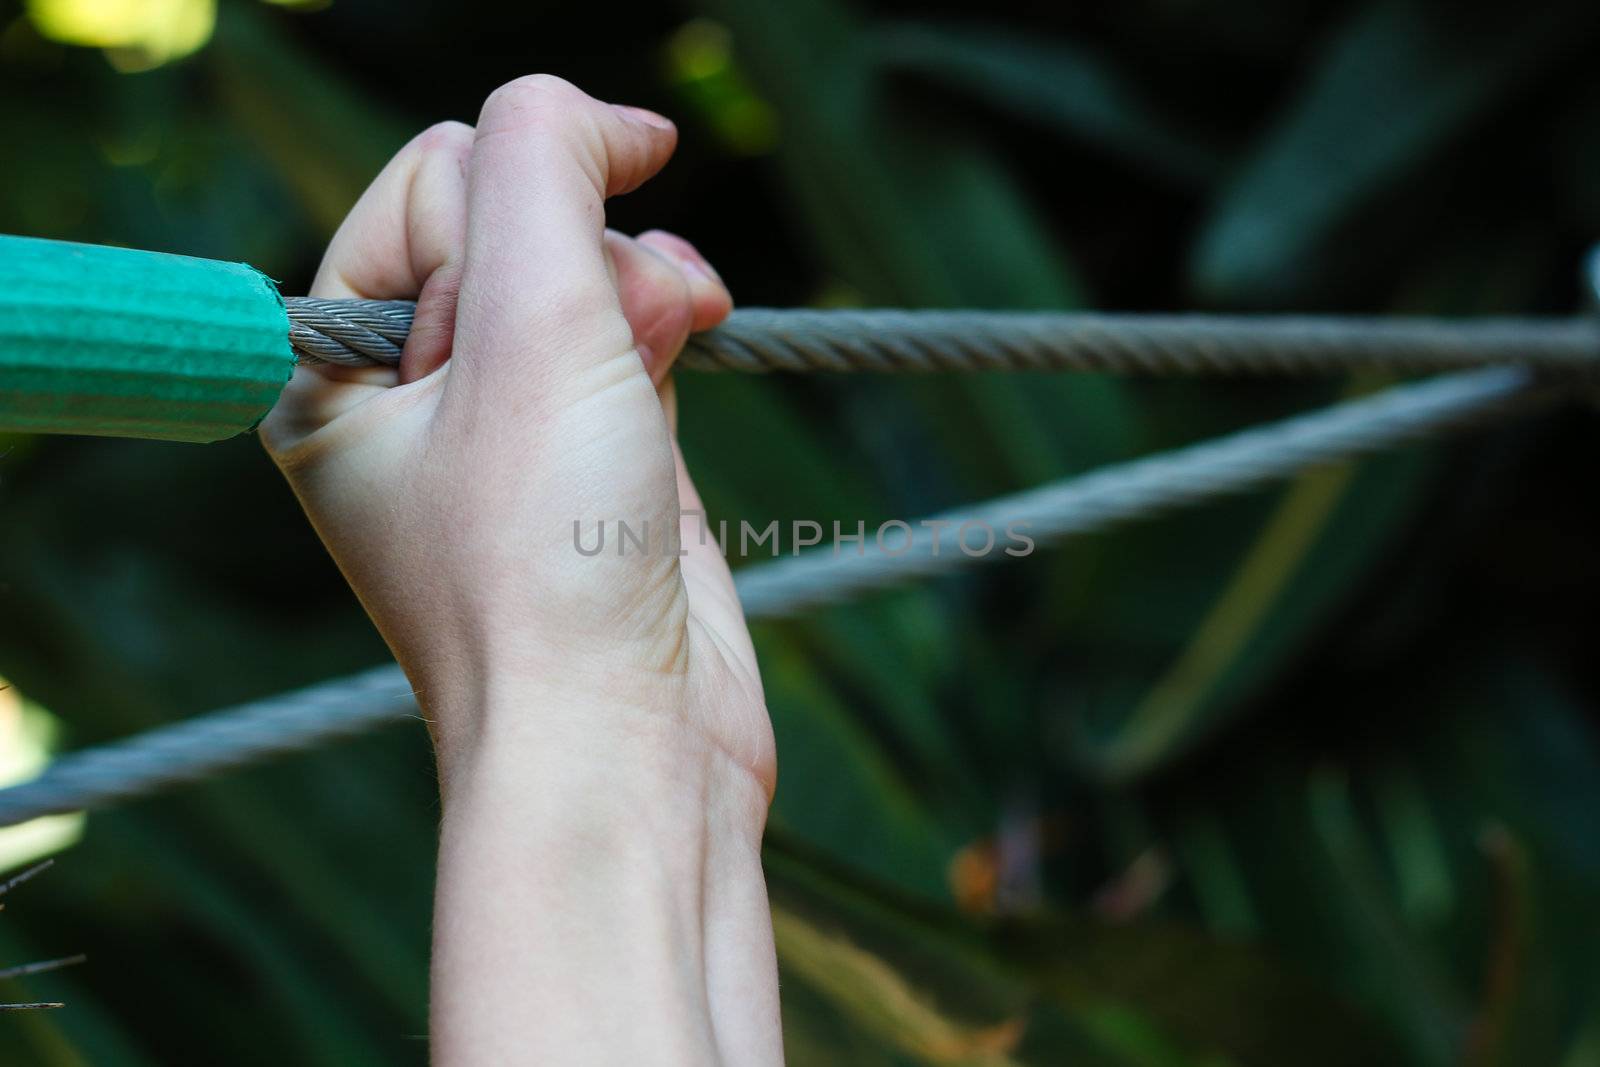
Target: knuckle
x=445, y=138
x=531, y=100
x=444, y=284
x=675, y=319
x=663, y=309
x=662, y=238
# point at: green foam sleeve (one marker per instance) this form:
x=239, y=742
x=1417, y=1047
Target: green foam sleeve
x=112, y=341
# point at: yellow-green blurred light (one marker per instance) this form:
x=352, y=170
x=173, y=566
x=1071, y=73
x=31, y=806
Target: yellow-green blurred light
x=137, y=34
x=27, y=734
x=701, y=65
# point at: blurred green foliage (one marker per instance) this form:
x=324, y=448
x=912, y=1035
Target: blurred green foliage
x=1309, y=778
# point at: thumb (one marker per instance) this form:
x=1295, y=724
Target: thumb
x=537, y=305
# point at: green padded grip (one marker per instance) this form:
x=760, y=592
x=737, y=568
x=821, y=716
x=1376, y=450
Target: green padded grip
x=111, y=341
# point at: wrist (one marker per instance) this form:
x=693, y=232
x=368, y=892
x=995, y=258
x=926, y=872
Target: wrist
x=599, y=832
x=478, y=702
x=613, y=763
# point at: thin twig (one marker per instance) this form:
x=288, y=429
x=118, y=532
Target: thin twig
x=42, y=966
x=18, y=879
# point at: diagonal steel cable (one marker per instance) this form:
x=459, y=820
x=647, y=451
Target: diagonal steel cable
x=200, y=747
x=1142, y=488
x=203, y=746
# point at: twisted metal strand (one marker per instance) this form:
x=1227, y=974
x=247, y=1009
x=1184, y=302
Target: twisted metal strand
x=365, y=332
x=929, y=341
x=200, y=747
x=350, y=333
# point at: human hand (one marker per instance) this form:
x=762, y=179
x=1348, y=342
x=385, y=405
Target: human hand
x=605, y=757
x=534, y=392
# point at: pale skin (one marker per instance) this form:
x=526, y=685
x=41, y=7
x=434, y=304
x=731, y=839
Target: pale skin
x=605, y=757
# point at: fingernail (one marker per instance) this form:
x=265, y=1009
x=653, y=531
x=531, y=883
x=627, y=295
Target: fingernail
x=699, y=268
x=648, y=117
x=695, y=263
